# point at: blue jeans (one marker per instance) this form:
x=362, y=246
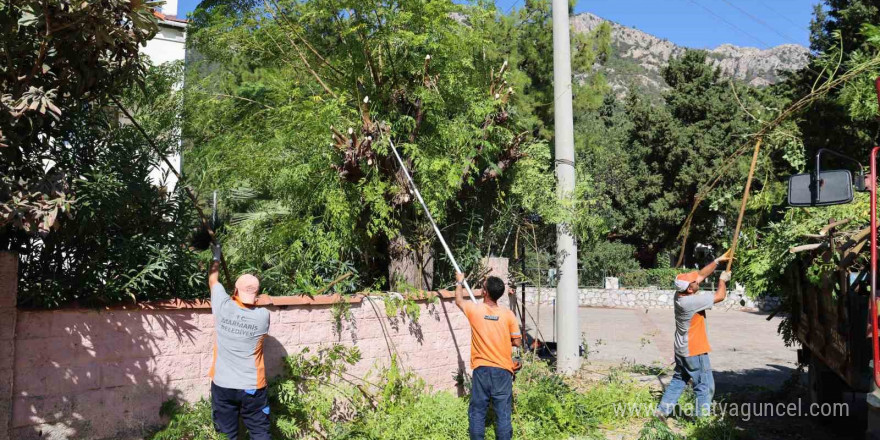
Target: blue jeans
x=697, y=368
x=495, y=384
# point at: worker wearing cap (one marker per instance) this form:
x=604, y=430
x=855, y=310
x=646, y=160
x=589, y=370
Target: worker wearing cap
x=494, y=333
x=692, y=340
x=238, y=386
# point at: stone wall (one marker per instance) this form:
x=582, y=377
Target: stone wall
x=101, y=374
x=651, y=297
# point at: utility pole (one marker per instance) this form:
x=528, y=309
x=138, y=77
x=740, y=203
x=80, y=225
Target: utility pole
x=567, y=328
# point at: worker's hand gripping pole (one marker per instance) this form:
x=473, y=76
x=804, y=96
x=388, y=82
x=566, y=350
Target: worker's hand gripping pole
x=415, y=190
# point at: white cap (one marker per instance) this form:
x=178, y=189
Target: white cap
x=681, y=285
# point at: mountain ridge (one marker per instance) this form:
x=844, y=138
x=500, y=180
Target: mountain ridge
x=638, y=57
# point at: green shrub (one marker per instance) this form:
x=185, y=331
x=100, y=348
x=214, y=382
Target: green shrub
x=662, y=278
x=607, y=259
x=188, y=422
x=431, y=416
x=605, y=399
x=316, y=398
x=655, y=429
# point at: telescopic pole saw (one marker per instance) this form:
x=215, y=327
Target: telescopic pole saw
x=415, y=190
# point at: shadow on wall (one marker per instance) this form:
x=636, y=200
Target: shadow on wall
x=113, y=375
x=274, y=352
x=461, y=376
x=105, y=374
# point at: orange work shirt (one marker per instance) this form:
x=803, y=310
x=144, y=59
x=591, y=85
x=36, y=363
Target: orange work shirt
x=492, y=329
x=692, y=338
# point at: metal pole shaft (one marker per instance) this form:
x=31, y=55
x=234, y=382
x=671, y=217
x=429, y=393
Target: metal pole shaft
x=415, y=190
x=567, y=327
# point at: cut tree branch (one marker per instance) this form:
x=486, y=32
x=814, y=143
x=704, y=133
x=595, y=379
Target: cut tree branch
x=181, y=181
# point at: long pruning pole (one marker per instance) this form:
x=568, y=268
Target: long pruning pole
x=415, y=190
x=189, y=192
x=742, y=205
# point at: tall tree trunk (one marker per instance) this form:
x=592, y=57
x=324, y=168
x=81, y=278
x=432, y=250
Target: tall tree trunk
x=411, y=263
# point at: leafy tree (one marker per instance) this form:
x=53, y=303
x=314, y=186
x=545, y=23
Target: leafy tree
x=59, y=58
x=844, y=37
x=844, y=34
x=526, y=36
x=126, y=241
x=76, y=200
x=607, y=259
x=296, y=107
x=651, y=162
x=531, y=41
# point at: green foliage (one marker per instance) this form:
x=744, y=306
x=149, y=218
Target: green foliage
x=316, y=398
x=341, y=310
x=304, y=399
x=126, y=240
x=547, y=406
x=713, y=427
x=606, y=259
x=844, y=36
x=662, y=278
x=617, y=390
x=61, y=61
x=765, y=258
x=76, y=200
x=648, y=162
x=465, y=136
x=187, y=422
x=439, y=416
x=396, y=304
x=656, y=429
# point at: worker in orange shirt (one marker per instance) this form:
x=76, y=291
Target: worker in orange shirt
x=494, y=333
x=692, y=339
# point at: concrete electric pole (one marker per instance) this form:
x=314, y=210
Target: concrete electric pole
x=567, y=328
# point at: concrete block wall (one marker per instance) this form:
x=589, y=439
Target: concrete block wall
x=102, y=374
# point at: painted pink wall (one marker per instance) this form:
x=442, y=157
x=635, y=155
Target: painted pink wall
x=104, y=374
x=8, y=289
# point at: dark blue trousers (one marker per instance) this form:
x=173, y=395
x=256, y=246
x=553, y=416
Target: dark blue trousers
x=495, y=385
x=228, y=404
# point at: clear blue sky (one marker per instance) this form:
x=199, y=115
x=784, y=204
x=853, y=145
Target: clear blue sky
x=694, y=23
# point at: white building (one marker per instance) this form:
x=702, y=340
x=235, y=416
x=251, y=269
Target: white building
x=169, y=44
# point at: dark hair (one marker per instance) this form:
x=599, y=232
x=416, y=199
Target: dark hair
x=495, y=287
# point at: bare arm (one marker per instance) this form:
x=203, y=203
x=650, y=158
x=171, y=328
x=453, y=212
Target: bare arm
x=459, y=290
x=721, y=293
x=706, y=271
x=516, y=342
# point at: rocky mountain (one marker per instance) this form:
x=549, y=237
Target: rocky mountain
x=638, y=57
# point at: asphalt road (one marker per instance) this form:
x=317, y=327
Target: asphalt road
x=746, y=349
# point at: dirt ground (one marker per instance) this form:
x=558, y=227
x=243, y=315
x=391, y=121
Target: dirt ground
x=749, y=359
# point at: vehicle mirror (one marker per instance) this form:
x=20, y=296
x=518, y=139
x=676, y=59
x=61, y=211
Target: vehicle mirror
x=833, y=187
x=860, y=183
